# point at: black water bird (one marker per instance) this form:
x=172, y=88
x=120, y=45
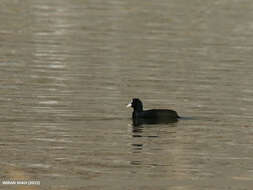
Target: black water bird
x=153, y=116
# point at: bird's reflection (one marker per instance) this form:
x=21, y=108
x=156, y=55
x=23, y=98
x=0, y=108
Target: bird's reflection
x=138, y=125
x=137, y=146
x=144, y=128
x=136, y=163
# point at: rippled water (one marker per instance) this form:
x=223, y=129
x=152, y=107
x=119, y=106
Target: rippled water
x=68, y=68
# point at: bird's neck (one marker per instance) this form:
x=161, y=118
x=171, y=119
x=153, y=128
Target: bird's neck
x=139, y=109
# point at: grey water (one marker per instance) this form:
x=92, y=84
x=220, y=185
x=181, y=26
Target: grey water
x=68, y=68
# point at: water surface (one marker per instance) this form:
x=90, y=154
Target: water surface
x=68, y=68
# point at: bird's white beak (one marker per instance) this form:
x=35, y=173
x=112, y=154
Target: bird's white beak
x=129, y=105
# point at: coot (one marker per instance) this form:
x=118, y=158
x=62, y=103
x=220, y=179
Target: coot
x=153, y=115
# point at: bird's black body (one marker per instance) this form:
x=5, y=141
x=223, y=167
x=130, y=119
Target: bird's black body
x=156, y=114
x=152, y=116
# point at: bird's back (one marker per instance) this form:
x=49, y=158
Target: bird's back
x=159, y=113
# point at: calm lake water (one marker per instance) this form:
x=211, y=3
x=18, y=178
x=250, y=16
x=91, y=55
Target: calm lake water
x=68, y=68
